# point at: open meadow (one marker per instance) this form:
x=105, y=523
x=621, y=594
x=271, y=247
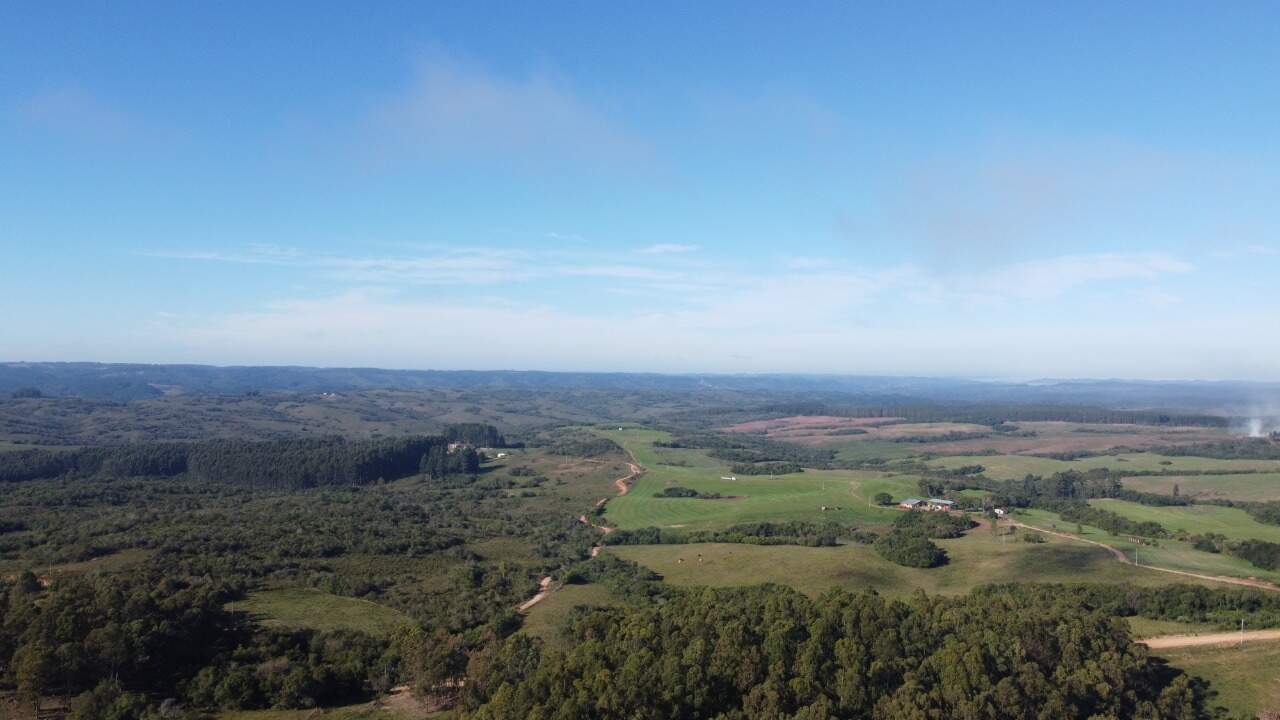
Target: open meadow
x=1246, y=677
x=1234, y=523
x=1015, y=467
x=978, y=558
x=1165, y=553
x=316, y=610
x=1242, y=487
x=847, y=494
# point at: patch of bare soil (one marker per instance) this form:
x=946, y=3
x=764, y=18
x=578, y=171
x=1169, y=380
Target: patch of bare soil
x=1221, y=638
x=809, y=423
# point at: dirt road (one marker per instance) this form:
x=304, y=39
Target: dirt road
x=544, y=586
x=1220, y=638
x=624, y=485
x=1119, y=555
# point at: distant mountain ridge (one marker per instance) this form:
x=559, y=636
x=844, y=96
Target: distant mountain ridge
x=124, y=382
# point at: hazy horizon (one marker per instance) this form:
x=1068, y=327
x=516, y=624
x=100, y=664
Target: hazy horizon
x=997, y=191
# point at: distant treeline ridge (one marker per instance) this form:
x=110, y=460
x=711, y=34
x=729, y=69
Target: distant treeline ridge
x=292, y=463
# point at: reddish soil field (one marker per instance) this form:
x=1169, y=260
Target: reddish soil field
x=1050, y=437
x=813, y=423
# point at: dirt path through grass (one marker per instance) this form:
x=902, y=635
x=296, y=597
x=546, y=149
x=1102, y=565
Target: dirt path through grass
x=1221, y=638
x=544, y=589
x=624, y=486
x=1119, y=555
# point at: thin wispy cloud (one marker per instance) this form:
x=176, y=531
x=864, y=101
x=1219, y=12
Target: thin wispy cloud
x=453, y=111
x=669, y=249
x=1054, y=277
x=75, y=112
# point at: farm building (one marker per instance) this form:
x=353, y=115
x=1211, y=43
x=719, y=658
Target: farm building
x=911, y=504
x=939, y=504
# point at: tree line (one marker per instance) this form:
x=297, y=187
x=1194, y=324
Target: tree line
x=771, y=652
x=290, y=463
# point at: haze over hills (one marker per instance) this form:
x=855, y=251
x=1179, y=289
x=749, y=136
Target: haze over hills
x=113, y=381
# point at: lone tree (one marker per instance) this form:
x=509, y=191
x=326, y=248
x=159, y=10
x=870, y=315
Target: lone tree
x=884, y=498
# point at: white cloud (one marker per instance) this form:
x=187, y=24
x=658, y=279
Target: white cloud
x=567, y=237
x=1054, y=277
x=77, y=112
x=375, y=328
x=668, y=249
x=452, y=111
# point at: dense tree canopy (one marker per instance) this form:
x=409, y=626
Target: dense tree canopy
x=772, y=653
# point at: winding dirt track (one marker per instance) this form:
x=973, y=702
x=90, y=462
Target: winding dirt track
x=624, y=486
x=1222, y=638
x=1119, y=555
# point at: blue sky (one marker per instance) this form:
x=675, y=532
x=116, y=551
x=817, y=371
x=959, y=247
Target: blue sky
x=986, y=190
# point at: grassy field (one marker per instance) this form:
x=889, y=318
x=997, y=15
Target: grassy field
x=749, y=498
x=307, y=608
x=1260, y=487
x=105, y=563
x=1170, y=554
x=978, y=558
x=362, y=711
x=1013, y=467
x=1231, y=522
x=547, y=617
x=1247, y=678
x=1144, y=628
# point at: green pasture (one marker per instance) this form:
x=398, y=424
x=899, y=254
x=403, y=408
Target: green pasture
x=749, y=498
x=362, y=711
x=1014, y=467
x=978, y=558
x=1231, y=522
x=1258, y=487
x=308, y=608
x=1171, y=554
x=1246, y=677
x=546, y=619
x=1141, y=627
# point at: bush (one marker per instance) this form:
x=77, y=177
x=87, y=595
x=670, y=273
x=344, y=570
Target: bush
x=684, y=492
x=910, y=549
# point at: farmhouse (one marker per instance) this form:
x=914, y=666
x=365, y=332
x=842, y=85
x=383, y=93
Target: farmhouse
x=939, y=504
x=911, y=504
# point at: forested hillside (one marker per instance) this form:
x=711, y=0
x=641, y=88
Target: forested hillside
x=772, y=653
x=299, y=463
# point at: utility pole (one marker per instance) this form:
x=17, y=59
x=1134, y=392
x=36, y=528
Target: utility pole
x=1241, y=631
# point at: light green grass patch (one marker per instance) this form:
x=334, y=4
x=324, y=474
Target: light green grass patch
x=1246, y=677
x=1171, y=554
x=362, y=711
x=846, y=494
x=978, y=558
x=1014, y=467
x=1231, y=522
x=1141, y=627
x=308, y=608
x=1258, y=487
x=547, y=618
